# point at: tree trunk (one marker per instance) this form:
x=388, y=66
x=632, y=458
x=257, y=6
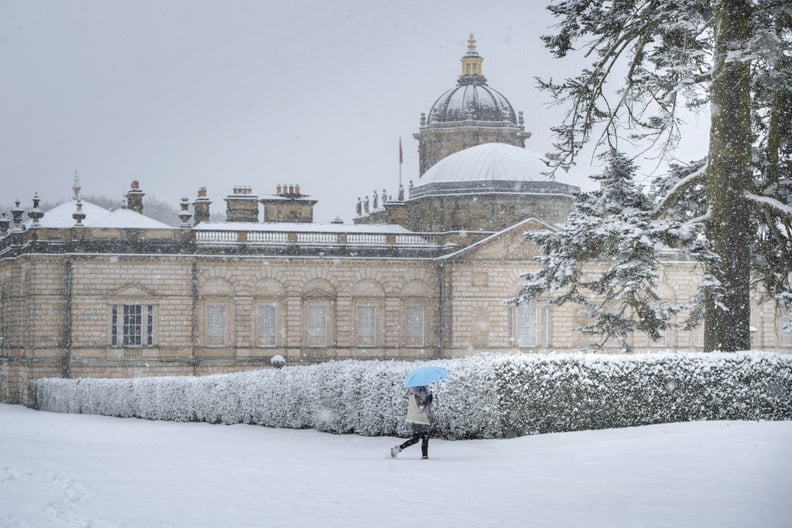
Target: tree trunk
x=727, y=319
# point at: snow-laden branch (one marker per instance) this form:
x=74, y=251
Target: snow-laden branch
x=699, y=219
x=780, y=207
x=681, y=185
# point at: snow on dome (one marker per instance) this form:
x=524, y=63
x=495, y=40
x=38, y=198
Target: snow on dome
x=488, y=162
x=486, y=169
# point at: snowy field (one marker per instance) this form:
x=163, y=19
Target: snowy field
x=66, y=470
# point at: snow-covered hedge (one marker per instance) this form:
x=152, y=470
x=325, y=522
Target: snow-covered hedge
x=486, y=396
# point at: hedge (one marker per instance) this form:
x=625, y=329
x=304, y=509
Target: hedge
x=487, y=396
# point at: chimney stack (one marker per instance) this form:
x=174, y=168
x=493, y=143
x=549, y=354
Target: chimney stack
x=201, y=207
x=288, y=205
x=242, y=205
x=134, y=197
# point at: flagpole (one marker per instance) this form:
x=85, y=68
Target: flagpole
x=401, y=162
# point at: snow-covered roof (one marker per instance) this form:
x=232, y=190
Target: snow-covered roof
x=491, y=168
x=60, y=216
x=487, y=162
x=126, y=219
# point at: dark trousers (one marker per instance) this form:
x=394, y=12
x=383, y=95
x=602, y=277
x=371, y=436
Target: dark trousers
x=423, y=436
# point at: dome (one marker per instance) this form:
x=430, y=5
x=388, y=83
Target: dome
x=489, y=168
x=472, y=98
x=488, y=162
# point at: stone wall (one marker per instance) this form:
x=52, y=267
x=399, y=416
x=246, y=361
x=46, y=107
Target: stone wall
x=438, y=142
x=58, y=317
x=56, y=310
x=487, y=212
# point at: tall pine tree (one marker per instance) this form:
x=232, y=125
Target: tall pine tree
x=730, y=54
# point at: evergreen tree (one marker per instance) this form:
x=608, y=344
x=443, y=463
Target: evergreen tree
x=612, y=233
x=731, y=54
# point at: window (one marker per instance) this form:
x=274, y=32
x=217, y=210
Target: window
x=415, y=325
x=785, y=326
x=317, y=325
x=367, y=325
x=132, y=325
x=216, y=324
x=526, y=324
x=525, y=314
x=267, y=325
x=149, y=325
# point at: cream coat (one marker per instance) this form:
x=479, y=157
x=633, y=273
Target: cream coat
x=415, y=414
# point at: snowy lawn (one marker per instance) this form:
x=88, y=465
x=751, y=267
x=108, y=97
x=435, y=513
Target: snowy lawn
x=67, y=470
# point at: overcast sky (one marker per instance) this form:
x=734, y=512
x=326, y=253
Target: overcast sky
x=181, y=94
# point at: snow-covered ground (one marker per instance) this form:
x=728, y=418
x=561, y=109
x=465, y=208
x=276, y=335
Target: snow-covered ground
x=66, y=470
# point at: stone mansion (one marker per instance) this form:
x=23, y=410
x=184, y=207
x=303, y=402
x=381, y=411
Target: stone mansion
x=88, y=292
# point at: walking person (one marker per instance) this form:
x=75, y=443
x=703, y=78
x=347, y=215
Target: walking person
x=420, y=416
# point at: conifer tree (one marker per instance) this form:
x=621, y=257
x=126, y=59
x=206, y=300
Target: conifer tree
x=605, y=258
x=732, y=55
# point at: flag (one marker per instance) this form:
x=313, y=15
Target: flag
x=401, y=157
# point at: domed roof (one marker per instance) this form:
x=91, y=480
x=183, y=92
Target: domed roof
x=471, y=98
x=488, y=162
x=487, y=168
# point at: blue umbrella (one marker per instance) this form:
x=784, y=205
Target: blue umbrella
x=425, y=376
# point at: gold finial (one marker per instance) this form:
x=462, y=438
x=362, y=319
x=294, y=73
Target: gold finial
x=471, y=43
x=471, y=62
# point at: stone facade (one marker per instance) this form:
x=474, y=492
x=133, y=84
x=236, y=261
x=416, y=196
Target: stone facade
x=483, y=212
x=63, y=300
x=62, y=307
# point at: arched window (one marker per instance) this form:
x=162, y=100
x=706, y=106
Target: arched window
x=268, y=297
x=216, y=324
x=217, y=299
x=415, y=296
x=368, y=301
x=415, y=325
x=523, y=324
x=318, y=312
